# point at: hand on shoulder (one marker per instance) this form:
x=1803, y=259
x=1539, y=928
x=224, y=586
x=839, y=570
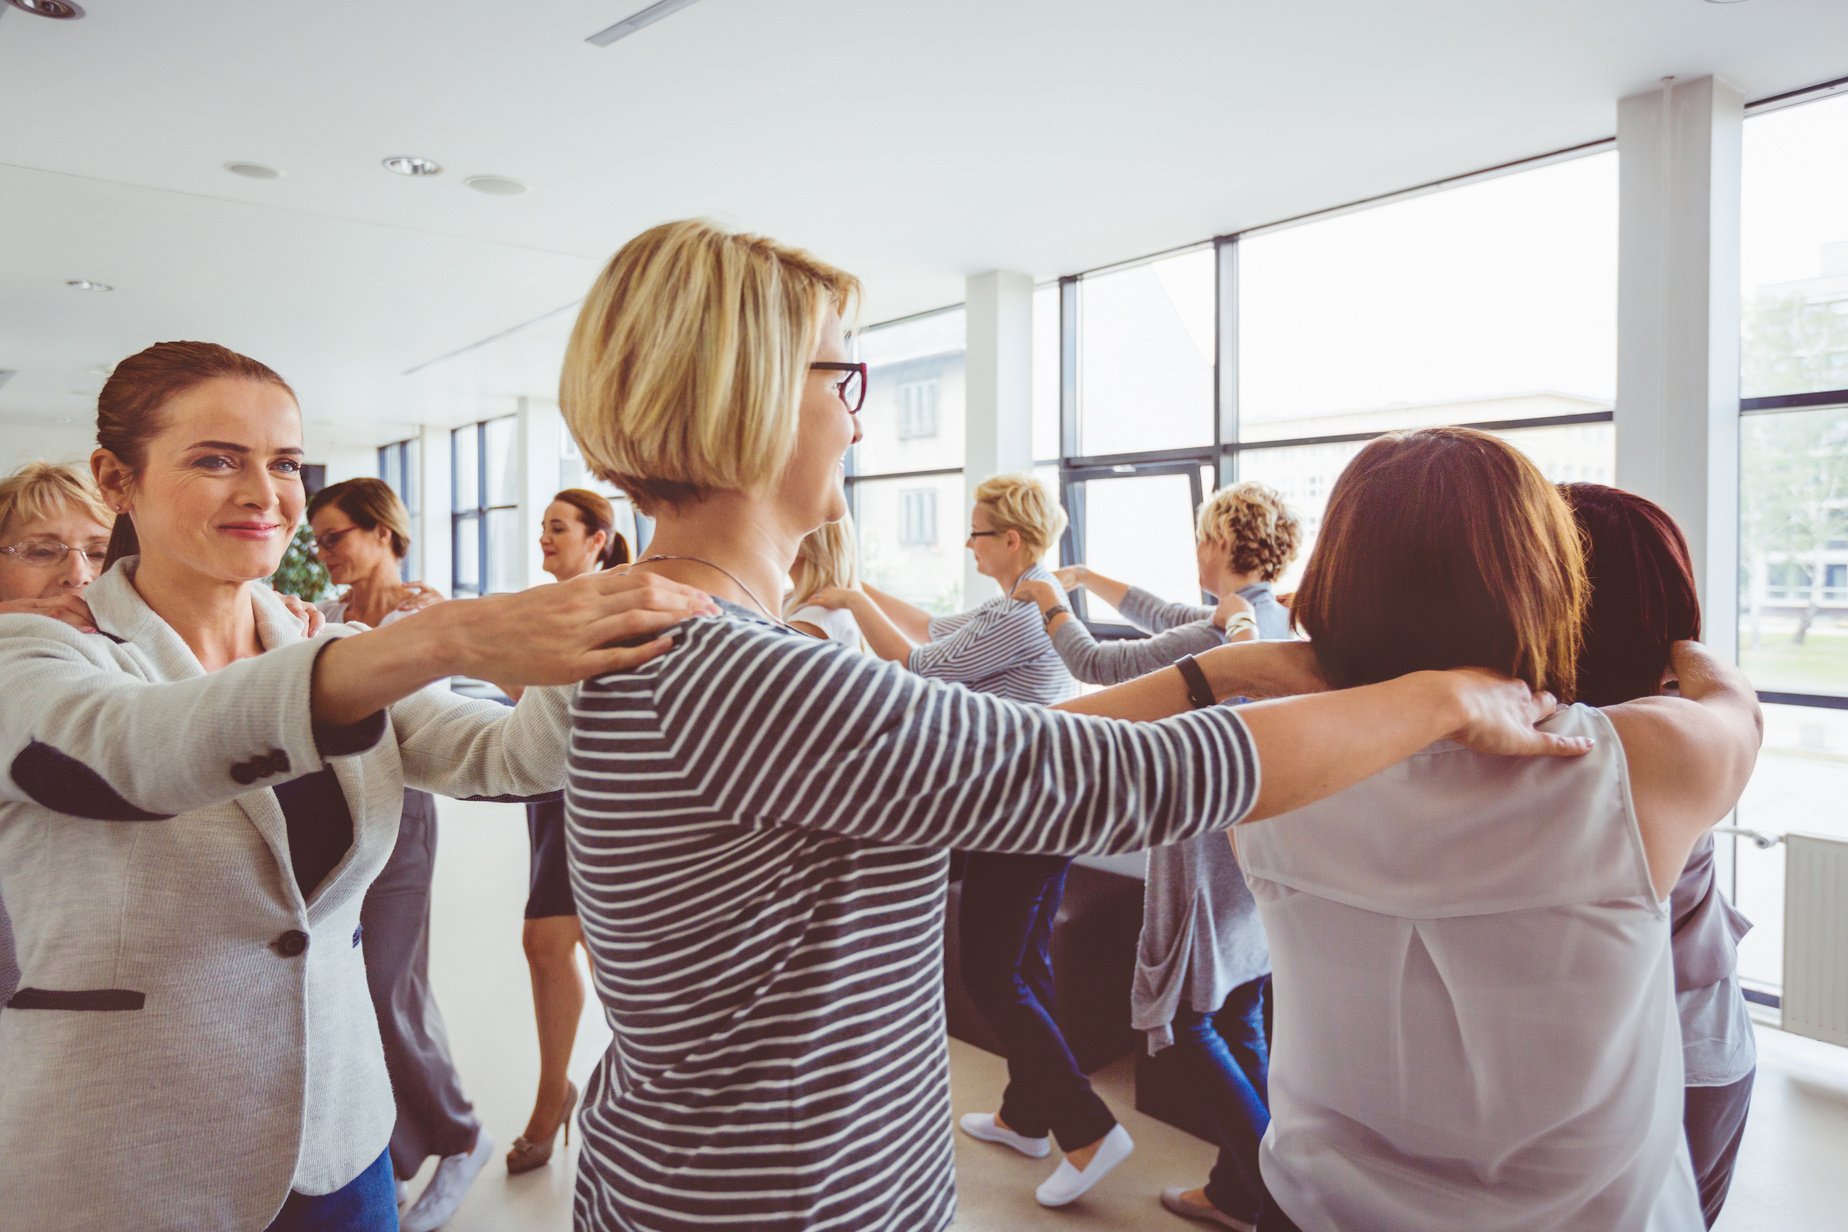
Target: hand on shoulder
x=71, y=609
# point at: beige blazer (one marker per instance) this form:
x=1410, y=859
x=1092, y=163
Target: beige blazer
x=191, y=1039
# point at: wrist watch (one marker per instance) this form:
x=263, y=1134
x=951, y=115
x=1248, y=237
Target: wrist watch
x=1056, y=610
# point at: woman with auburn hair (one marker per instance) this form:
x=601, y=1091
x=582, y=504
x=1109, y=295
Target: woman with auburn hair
x=196, y=799
x=1202, y=962
x=1643, y=601
x=829, y=559
x=765, y=917
x=577, y=535
x=1474, y=1027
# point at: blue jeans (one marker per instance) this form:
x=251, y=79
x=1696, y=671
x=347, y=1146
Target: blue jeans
x=367, y=1203
x=1225, y=1056
x=1009, y=903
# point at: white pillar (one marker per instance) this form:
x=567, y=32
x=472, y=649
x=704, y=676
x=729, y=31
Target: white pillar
x=541, y=435
x=1677, y=417
x=998, y=435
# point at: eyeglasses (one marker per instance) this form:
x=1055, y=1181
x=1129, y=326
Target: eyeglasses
x=50, y=554
x=986, y=534
x=851, y=388
x=324, y=542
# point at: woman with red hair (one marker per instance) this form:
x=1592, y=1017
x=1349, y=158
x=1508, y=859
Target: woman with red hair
x=1643, y=601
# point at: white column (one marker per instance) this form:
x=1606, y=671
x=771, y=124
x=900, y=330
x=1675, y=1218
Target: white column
x=434, y=495
x=998, y=434
x=541, y=438
x=1678, y=324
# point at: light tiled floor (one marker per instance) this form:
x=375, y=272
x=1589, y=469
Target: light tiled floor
x=1793, y=1170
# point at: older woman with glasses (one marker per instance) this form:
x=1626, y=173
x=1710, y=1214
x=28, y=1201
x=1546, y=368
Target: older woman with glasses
x=758, y=818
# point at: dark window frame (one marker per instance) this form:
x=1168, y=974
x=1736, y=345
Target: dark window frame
x=479, y=511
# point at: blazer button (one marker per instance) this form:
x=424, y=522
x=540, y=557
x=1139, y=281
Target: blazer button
x=243, y=772
x=291, y=944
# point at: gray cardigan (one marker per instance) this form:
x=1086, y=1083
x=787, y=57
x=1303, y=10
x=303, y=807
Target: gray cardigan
x=192, y=1039
x=1201, y=935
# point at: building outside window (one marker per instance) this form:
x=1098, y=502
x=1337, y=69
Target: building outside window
x=917, y=409
x=917, y=517
x=398, y=468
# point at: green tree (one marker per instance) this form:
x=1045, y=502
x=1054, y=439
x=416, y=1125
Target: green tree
x=300, y=573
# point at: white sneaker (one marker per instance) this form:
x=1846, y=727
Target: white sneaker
x=404, y=1193
x=982, y=1125
x=1068, y=1184
x=440, y=1198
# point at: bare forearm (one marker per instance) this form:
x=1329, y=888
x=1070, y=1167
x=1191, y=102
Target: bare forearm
x=911, y=620
x=359, y=675
x=884, y=637
x=1312, y=747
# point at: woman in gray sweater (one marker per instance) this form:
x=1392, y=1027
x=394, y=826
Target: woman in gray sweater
x=1203, y=964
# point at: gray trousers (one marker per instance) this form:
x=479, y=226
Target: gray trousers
x=9, y=964
x=1714, y=1118
x=434, y=1117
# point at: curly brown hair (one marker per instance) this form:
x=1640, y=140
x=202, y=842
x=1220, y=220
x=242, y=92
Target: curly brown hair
x=1260, y=534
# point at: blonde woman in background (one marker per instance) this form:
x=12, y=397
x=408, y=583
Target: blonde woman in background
x=577, y=535
x=829, y=559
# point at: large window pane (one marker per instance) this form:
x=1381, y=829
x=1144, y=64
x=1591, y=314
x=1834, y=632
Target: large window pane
x=1140, y=529
x=465, y=453
x=1800, y=784
x=503, y=461
x=913, y=416
x=467, y=578
x=1046, y=373
x=1146, y=344
x=504, y=554
x=1493, y=301
x=1793, y=550
x=911, y=538
x=1794, y=250
x=1569, y=453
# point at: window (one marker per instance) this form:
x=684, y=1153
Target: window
x=905, y=475
x=1492, y=301
x=398, y=466
x=917, y=517
x=917, y=409
x=1793, y=498
x=484, y=516
x=1146, y=354
x=1137, y=528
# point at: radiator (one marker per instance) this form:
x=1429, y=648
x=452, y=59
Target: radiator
x=1816, y=937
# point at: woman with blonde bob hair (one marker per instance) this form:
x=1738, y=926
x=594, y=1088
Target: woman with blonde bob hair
x=1475, y=1025
x=757, y=819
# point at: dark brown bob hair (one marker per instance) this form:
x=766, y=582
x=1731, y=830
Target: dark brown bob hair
x=1441, y=548
x=1643, y=598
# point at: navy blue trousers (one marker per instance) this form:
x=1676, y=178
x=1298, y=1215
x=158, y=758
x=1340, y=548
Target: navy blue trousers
x=367, y=1203
x=1009, y=903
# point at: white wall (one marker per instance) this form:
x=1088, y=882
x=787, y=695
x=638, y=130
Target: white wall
x=23, y=443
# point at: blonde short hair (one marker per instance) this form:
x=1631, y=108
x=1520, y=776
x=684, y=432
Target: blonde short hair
x=1020, y=503
x=1251, y=524
x=44, y=490
x=827, y=557
x=685, y=371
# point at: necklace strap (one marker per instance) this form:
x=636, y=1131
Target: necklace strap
x=735, y=581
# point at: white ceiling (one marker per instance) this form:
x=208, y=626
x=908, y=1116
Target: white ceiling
x=913, y=142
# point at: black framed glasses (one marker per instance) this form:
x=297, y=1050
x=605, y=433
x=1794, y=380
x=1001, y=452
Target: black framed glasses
x=986, y=534
x=51, y=554
x=851, y=387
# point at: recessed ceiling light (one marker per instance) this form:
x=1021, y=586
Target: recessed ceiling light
x=495, y=185
x=410, y=164
x=57, y=10
x=253, y=171
x=84, y=284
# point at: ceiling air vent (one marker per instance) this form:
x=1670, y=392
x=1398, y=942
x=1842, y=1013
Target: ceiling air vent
x=646, y=17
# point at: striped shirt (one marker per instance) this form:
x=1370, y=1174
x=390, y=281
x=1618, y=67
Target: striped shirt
x=999, y=647
x=757, y=822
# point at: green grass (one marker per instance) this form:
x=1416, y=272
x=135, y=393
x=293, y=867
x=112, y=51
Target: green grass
x=1820, y=665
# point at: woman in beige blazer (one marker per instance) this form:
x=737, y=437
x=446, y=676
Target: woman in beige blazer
x=195, y=800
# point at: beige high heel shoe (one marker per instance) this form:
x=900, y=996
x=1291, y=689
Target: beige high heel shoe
x=527, y=1155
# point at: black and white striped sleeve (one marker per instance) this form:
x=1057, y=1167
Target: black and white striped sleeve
x=994, y=639
x=789, y=731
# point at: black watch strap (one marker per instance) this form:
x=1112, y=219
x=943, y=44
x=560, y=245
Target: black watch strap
x=1198, y=691
x=1057, y=610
